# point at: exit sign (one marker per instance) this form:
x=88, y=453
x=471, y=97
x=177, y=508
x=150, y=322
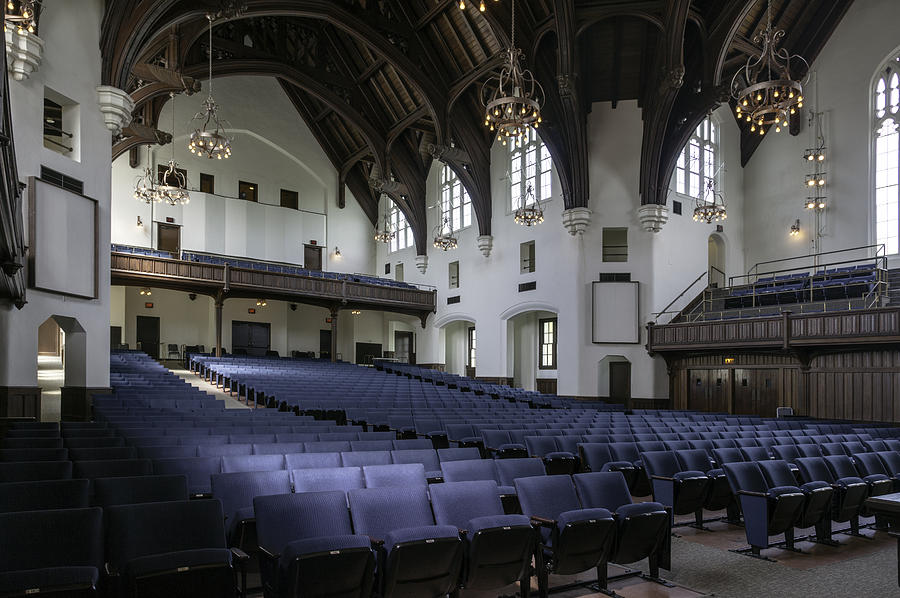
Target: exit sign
x=251, y=310
x=148, y=305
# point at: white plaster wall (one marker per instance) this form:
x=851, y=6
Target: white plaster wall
x=273, y=149
x=70, y=66
x=840, y=87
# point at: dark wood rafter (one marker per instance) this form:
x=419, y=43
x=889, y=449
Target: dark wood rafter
x=666, y=82
x=387, y=86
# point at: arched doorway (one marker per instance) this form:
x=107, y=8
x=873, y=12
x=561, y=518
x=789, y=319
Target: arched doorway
x=459, y=347
x=531, y=350
x=716, y=259
x=61, y=361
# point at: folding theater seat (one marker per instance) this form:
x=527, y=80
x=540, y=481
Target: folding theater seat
x=411, y=444
x=498, y=547
x=399, y=475
x=502, y=445
x=683, y=491
x=311, y=460
x=643, y=530
x=458, y=454
x=368, y=445
x=464, y=436
x=236, y=492
x=239, y=463
x=308, y=548
x=849, y=493
x=115, y=468
x=472, y=470
x=198, y=471
x=416, y=557
x=224, y=450
x=556, y=460
x=832, y=448
x=768, y=510
x=818, y=496
x=596, y=456
x=891, y=462
x=67, y=566
x=842, y=467
x=328, y=478
x=573, y=539
x=427, y=457
x=628, y=451
x=871, y=464
x=719, y=495
x=758, y=453
x=175, y=549
x=360, y=458
x=45, y=495
x=810, y=450
x=15, y=455
x=139, y=489
x=722, y=456
x=875, y=446
x=88, y=443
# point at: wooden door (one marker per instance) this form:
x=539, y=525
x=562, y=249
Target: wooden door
x=403, y=346
x=115, y=337
x=168, y=238
x=250, y=338
x=698, y=393
x=768, y=392
x=148, y=335
x=620, y=383
x=718, y=391
x=325, y=344
x=744, y=400
x=312, y=257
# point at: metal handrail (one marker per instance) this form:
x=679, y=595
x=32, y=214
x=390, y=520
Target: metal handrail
x=665, y=310
x=882, y=260
x=879, y=251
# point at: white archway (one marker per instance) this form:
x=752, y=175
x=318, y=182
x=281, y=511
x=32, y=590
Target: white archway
x=716, y=260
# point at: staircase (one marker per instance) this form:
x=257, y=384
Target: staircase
x=893, y=290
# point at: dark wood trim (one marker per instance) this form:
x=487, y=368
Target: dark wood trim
x=20, y=401
x=77, y=402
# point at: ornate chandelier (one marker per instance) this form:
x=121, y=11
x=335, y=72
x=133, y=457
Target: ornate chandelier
x=173, y=187
x=22, y=14
x=711, y=207
x=765, y=92
x=530, y=212
x=209, y=137
x=444, y=238
x=145, y=187
x=512, y=97
x=386, y=233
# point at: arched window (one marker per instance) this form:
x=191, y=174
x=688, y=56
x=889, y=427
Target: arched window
x=698, y=160
x=530, y=164
x=886, y=104
x=455, y=199
x=403, y=237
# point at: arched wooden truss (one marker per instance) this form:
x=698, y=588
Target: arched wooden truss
x=387, y=86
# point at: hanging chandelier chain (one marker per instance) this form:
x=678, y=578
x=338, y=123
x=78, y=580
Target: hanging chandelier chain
x=210, y=48
x=512, y=36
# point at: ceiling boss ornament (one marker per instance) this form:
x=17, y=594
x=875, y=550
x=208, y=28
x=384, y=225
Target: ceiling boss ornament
x=764, y=91
x=512, y=97
x=209, y=137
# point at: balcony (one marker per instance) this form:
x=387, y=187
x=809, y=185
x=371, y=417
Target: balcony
x=227, y=281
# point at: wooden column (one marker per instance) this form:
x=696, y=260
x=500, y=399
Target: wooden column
x=334, y=332
x=220, y=303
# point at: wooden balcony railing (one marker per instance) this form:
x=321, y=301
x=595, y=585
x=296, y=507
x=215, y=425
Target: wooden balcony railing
x=196, y=277
x=786, y=331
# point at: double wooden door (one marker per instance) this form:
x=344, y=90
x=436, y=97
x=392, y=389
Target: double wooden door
x=741, y=391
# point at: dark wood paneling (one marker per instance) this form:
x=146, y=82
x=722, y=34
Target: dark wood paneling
x=850, y=385
x=20, y=401
x=546, y=386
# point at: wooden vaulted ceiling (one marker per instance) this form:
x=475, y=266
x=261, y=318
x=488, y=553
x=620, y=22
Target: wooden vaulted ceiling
x=387, y=86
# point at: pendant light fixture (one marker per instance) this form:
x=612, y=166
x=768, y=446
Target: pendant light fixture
x=529, y=212
x=765, y=92
x=145, y=189
x=209, y=137
x=21, y=14
x=512, y=96
x=386, y=233
x=173, y=188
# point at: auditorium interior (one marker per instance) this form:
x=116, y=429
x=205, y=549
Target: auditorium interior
x=450, y=298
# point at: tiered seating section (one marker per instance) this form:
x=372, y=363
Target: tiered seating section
x=840, y=288
x=386, y=393
x=142, y=251
x=539, y=490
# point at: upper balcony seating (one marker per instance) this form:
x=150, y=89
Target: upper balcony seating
x=809, y=291
x=146, y=251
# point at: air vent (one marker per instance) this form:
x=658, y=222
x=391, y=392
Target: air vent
x=453, y=299
x=387, y=268
x=48, y=175
x=614, y=277
x=528, y=286
x=676, y=207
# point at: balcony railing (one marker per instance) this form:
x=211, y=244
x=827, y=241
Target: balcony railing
x=210, y=278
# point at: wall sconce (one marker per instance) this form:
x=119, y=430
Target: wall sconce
x=356, y=312
x=795, y=228
x=146, y=291
x=140, y=223
x=337, y=253
x=260, y=303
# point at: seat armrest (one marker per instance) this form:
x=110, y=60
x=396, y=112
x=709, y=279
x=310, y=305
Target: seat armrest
x=268, y=555
x=376, y=541
x=663, y=478
x=242, y=556
x=751, y=493
x=543, y=521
